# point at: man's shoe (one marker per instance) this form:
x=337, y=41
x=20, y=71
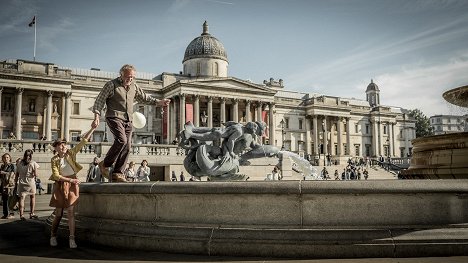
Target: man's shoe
x=118, y=178
x=104, y=170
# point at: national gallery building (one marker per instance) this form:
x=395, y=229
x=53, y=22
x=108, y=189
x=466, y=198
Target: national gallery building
x=41, y=99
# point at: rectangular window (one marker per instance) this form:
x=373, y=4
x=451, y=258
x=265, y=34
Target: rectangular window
x=368, y=147
x=75, y=136
x=356, y=128
x=402, y=152
x=76, y=108
x=357, y=150
x=300, y=124
x=286, y=123
x=367, y=128
x=7, y=103
x=345, y=148
x=385, y=129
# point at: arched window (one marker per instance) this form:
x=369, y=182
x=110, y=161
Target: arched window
x=198, y=68
x=216, y=69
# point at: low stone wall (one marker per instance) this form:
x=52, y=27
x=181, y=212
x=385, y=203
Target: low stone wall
x=308, y=219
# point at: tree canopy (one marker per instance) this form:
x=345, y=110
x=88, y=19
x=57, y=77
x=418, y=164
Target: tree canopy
x=423, y=126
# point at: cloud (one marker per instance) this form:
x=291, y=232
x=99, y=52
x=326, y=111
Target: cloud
x=15, y=16
x=422, y=86
x=365, y=57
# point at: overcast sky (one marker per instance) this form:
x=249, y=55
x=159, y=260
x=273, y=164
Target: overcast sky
x=413, y=50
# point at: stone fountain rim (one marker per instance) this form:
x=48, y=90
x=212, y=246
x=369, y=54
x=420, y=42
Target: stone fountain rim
x=452, y=94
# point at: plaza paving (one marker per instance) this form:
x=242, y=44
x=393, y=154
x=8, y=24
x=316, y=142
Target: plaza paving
x=27, y=241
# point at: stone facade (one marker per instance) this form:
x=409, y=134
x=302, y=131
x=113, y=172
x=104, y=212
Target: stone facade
x=443, y=124
x=45, y=99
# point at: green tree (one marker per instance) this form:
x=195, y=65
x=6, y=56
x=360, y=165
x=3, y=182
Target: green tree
x=423, y=127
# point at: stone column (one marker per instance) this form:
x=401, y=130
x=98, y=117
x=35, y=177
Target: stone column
x=48, y=118
x=389, y=136
x=19, y=100
x=332, y=136
x=196, y=111
x=235, y=110
x=210, y=112
x=1, y=123
x=172, y=120
x=67, y=110
x=308, y=136
x=182, y=111
x=222, y=110
x=259, y=111
x=392, y=141
x=340, y=133
x=247, y=111
x=380, y=144
x=348, y=137
x=166, y=140
x=325, y=137
x=316, y=138
x=271, y=123
x=374, y=137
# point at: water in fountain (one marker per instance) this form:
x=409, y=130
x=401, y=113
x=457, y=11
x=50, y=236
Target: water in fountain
x=303, y=165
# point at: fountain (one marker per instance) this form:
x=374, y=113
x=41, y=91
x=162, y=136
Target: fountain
x=442, y=156
x=229, y=216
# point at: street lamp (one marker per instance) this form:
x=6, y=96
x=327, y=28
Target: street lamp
x=105, y=132
x=282, y=134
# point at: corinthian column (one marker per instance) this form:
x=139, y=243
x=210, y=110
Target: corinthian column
x=247, y=111
x=308, y=137
x=235, y=110
x=182, y=112
x=271, y=124
x=259, y=111
x=66, y=124
x=196, y=111
x=19, y=99
x=210, y=112
x=222, y=109
x=48, y=119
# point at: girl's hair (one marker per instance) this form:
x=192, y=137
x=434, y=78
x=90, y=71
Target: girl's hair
x=144, y=161
x=5, y=155
x=27, y=156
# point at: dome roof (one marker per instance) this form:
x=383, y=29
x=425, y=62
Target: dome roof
x=205, y=46
x=372, y=86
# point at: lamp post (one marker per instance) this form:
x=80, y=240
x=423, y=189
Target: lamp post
x=105, y=132
x=282, y=134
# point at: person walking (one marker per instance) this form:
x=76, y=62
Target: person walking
x=7, y=176
x=94, y=175
x=173, y=177
x=66, y=185
x=26, y=173
x=182, y=177
x=143, y=172
x=118, y=96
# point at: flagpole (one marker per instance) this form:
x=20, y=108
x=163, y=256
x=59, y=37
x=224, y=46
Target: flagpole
x=35, y=24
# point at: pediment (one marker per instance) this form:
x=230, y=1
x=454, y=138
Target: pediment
x=230, y=85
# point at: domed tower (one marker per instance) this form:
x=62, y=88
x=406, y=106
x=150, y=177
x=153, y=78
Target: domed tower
x=373, y=94
x=205, y=56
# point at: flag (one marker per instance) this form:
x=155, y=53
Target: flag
x=33, y=21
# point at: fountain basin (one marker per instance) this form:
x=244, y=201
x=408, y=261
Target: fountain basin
x=439, y=157
x=300, y=219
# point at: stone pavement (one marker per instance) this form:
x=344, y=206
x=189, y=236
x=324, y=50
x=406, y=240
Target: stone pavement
x=27, y=241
